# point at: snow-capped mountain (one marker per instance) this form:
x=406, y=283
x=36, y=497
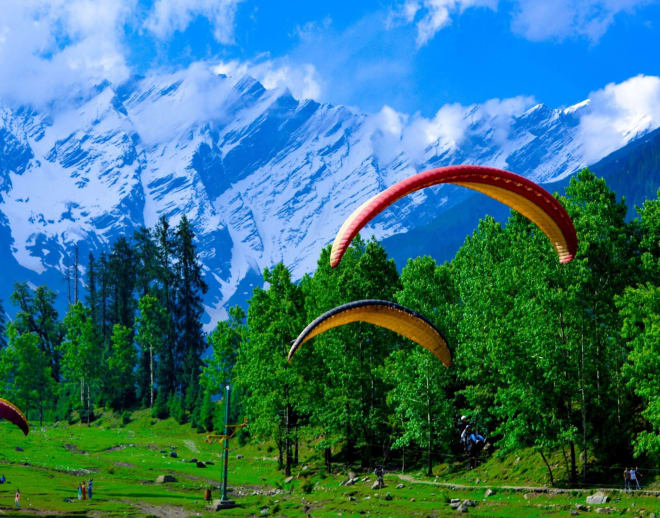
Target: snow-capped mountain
x=262, y=176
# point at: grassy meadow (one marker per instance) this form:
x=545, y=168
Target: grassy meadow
x=125, y=460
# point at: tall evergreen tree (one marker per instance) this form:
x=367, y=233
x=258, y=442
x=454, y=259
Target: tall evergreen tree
x=189, y=308
x=121, y=366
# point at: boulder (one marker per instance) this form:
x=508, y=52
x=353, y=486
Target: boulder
x=165, y=478
x=598, y=498
x=174, y=454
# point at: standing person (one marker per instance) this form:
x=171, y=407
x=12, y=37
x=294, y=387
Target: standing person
x=79, y=492
x=89, y=488
x=380, y=472
x=626, y=480
x=638, y=475
x=84, y=491
x=17, y=498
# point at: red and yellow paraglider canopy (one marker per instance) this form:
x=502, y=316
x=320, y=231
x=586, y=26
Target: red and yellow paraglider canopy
x=519, y=193
x=12, y=414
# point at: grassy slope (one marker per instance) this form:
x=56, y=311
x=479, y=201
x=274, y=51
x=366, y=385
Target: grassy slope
x=125, y=461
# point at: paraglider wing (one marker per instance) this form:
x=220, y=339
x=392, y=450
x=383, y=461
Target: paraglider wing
x=12, y=414
x=382, y=313
x=519, y=193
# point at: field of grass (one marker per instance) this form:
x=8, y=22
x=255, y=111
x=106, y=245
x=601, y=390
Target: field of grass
x=125, y=461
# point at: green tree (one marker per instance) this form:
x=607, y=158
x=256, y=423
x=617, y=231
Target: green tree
x=37, y=314
x=640, y=310
x=421, y=391
x=121, y=366
x=32, y=383
x=82, y=355
x=270, y=385
x=151, y=325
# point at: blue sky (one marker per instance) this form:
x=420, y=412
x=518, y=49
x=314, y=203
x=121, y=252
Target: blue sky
x=411, y=55
x=369, y=54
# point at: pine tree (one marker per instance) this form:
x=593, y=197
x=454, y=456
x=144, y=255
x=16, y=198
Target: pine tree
x=121, y=366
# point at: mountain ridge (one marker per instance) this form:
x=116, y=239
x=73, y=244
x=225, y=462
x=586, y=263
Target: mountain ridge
x=263, y=177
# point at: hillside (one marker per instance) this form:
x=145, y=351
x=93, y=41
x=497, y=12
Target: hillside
x=124, y=462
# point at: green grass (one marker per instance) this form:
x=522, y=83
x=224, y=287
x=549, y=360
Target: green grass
x=125, y=462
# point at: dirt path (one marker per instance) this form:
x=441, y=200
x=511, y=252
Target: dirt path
x=527, y=489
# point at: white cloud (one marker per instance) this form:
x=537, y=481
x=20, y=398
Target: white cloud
x=452, y=123
x=618, y=113
x=49, y=48
x=539, y=20
x=302, y=80
x=169, y=16
x=433, y=15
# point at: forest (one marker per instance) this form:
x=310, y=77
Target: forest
x=555, y=357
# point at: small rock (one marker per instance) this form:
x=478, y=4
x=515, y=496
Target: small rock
x=574, y=512
x=400, y=486
x=462, y=508
x=651, y=515
x=388, y=496
x=351, y=498
x=288, y=479
x=488, y=493
x=455, y=501
x=163, y=451
x=239, y=456
x=603, y=510
x=367, y=498
x=454, y=505
x=351, y=475
x=174, y=454
x=469, y=503
x=581, y=507
x=527, y=496
x=200, y=464
x=412, y=499
x=209, y=463
x=477, y=480
x=165, y=478
x=18, y=448
x=375, y=485
x=516, y=461
x=598, y=498
x=305, y=468
x=364, y=479
x=193, y=460
x=264, y=511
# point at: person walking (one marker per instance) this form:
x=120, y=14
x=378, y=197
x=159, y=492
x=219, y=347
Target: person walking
x=17, y=498
x=626, y=480
x=89, y=488
x=84, y=491
x=79, y=492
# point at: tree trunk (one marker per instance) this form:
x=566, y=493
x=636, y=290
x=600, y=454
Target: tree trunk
x=584, y=413
x=88, y=404
x=573, y=465
x=295, y=451
x=429, y=423
x=552, y=480
x=151, y=374
x=327, y=455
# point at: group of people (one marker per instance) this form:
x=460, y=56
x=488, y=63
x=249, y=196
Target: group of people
x=470, y=438
x=631, y=478
x=85, y=490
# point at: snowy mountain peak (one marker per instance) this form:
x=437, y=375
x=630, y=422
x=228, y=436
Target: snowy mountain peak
x=262, y=176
